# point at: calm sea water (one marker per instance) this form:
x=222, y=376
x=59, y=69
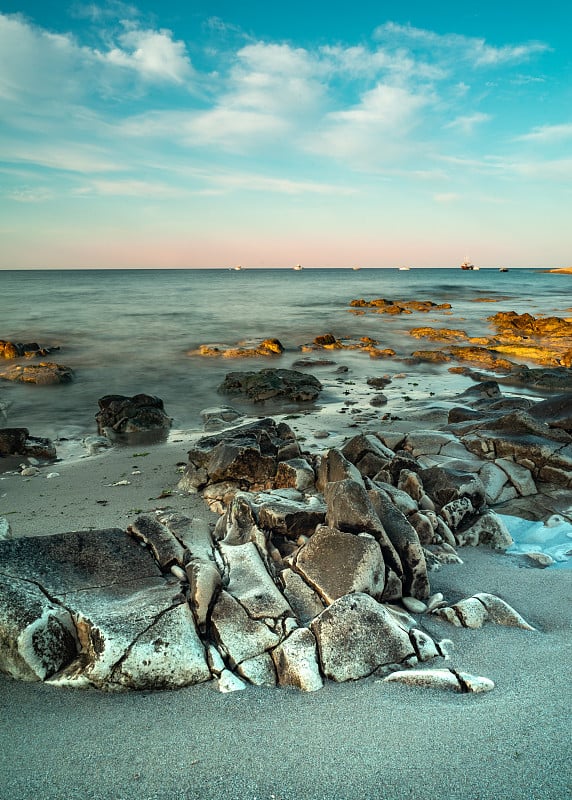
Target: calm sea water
x=129, y=331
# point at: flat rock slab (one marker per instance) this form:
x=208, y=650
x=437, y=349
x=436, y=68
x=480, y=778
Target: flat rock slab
x=94, y=609
x=70, y=562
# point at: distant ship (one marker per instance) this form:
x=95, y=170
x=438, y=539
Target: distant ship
x=298, y=267
x=237, y=268
x=503, y=269
x=404, y=269
x=467, y=265
x=355, y=269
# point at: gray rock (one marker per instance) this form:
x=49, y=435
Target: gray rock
x=121, y=415
x=493, y=479
x=335, y=563
x=272, y=383
x=304, y=601
x=238, y=636
x=205, y=583
x=334, y=466
x=296, y=661
x=519, y=476
x=259, y=670
x=356, y=635
x=487, y=529
x=166, y=548
x=294, y=474
x=250, y=583
x=37, y=636
x=290, y=518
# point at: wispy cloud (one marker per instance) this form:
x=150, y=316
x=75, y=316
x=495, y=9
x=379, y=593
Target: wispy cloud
x=548, y=134
x=467, y=123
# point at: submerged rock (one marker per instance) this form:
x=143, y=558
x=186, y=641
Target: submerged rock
x=268, y=384
x=43, y=374
x=123, y=415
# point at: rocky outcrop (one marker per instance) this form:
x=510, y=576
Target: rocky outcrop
x=380, y=305
x=24, y=350
x=245, y=349
x=269, y=384
x=119, y=415
x=366, y=344
x=45, y=373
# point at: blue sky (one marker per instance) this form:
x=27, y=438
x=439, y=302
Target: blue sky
x=181, y=134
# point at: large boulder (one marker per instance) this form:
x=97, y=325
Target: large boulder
x=336, y=563
x=121, y=415
x=18, y=442
x=356, y=635
x=268, y=384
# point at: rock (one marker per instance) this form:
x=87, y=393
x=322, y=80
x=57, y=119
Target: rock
x=244, y=349
x=247, y=455
x=356, y=635
x=205, y=583
x=412, y=567
x=350, y=508
x=334, y=466
x=250, y=583
x=272, y=383
x=165, y=547
x=45, y=373
x=141, y=413
x=487, y=529
x=17, y=441
x=367, y=453
x=304, y=601
x=501, y=612
x=95, y=444
x=441, y=679
x=494, y=480
x=37, y=636
x=519, y=476
x=229, y=682
x=296, y=661
x=294, y=474
x=335, y=563
x=444, y=485
x=289, y=517
x=259, y=670
x=238, y=636
x=473, y=611
x=10, y=350
x=219, y=417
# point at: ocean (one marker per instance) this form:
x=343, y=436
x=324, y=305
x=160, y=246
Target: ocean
x=130, y=331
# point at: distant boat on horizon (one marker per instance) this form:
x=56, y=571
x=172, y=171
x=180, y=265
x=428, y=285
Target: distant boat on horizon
x=355, y=269
x=237, y=268
x=298, y=267
x=503, y=269
x=404, y=269
x=467, y=265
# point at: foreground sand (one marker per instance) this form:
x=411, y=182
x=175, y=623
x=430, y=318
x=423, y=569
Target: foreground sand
x=354, y=741
x=351, y=741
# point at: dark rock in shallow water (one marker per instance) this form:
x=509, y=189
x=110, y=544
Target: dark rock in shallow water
x=272, y=383
x=11, y=350
x=18, y=442
x=141, y=413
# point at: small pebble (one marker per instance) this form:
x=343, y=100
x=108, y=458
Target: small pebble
x=53, y=475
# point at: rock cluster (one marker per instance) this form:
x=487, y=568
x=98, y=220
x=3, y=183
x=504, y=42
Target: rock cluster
x=18, y=442
x=297, y=583
x=380, y=305
x=365, y=344
x=21, y=350
x=244, y=349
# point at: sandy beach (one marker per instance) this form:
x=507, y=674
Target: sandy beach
x=355, y=740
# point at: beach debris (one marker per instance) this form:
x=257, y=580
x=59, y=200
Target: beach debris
x=450, y=679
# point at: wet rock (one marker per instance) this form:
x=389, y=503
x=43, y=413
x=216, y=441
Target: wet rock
x=356, y=635
x=272, y=383
x=245, y=349
x=334, y=563
x=46, y=373
x=10, y=350
x=296, y=661
x=219, y=417
x=17, y=441
x=121, y=415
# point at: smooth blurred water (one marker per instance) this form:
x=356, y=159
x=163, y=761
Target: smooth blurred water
x=129, y=331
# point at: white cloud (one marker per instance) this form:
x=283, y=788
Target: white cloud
x=153, y=55
x=446, y=197
x=456, y=46
x=132, y=188
x=467, y=123
x=70, y=157
x=548, y=134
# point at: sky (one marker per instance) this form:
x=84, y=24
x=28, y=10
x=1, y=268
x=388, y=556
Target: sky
x=330, y=134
